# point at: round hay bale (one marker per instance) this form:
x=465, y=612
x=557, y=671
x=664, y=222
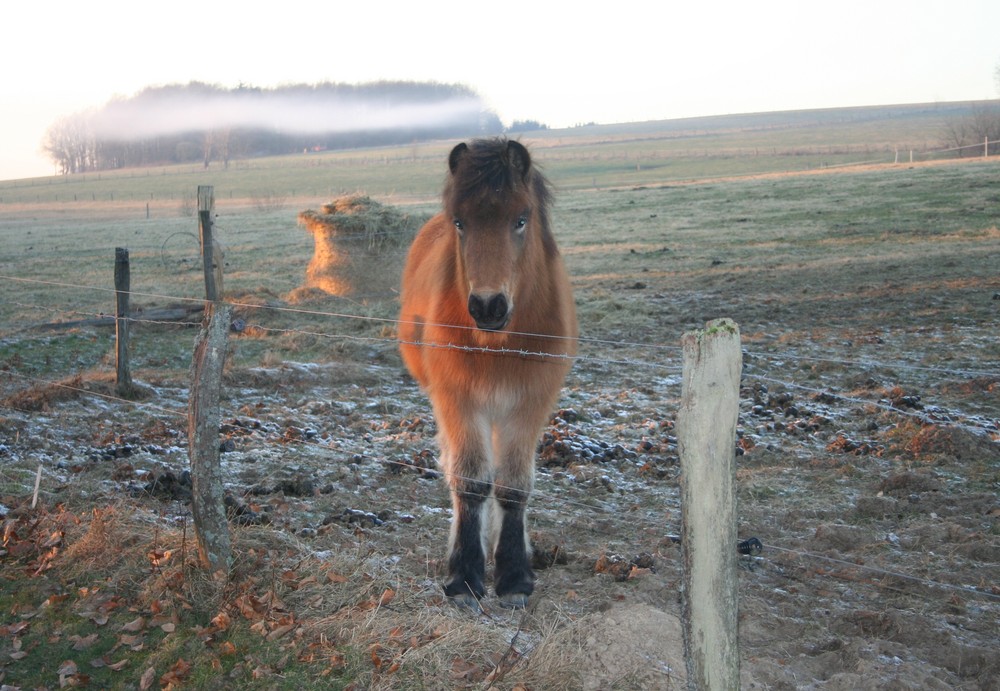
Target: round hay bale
x=360, y=245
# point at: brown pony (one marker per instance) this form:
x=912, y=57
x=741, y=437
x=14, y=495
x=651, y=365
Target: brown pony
x=488, y=328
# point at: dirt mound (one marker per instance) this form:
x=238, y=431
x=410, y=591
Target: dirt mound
x=953, y=442
x=630, y=646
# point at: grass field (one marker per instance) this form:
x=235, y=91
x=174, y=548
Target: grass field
x=867, y=297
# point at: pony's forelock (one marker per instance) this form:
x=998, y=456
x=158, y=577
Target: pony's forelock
x=489, y=173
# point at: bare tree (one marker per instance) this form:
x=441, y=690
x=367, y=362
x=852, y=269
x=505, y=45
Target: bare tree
x=207, y=146
x=968, y=132
x=70, y=144
x=986, y=124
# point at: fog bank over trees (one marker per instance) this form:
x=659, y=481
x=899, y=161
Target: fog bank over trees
x=209, y=123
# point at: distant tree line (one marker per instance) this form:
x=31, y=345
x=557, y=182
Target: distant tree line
x=526, y=126
x=969, y=132
x=199, y=122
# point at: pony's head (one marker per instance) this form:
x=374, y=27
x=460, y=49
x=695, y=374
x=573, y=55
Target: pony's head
x=498, y=203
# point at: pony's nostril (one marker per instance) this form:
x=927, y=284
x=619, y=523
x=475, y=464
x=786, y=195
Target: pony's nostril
x=490, y=312
x=496, y=308
x=477, y=307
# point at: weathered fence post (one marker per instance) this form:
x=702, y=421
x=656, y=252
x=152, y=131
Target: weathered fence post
x=706, y=435
x=211, y=253
x=123, y=375
x=204, y=418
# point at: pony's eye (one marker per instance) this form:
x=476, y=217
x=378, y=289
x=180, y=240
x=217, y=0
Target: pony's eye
x=521, y=222
x=459, y=225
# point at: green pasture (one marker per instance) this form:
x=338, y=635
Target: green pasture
x=747, y=210
x=775, y=253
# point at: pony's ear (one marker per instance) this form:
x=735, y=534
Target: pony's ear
x=520, y=159
x=456, y=155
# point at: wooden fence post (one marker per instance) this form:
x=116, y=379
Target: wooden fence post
x=211, y=253
x=123, y=375
x=706, y=436
x=204, y=418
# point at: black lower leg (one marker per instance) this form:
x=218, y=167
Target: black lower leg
x=467, y=561
x=513, y=569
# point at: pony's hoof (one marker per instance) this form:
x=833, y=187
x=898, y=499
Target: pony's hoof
x=514, y=601
x=466, y=601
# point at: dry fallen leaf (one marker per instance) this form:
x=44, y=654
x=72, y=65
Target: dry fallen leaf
x=463, y=669
x=55, y=600
x=376, y=658
x=54, y=539
x=74, y=680
x=135, y=625
x=133, y=642
x=81, y=643
x=14, y=629
x=177, y=674
x=161, y=619
x=280, y=631
x=221, y=621
x=159, y=557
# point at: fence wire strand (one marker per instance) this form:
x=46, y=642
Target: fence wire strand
x=389, y=321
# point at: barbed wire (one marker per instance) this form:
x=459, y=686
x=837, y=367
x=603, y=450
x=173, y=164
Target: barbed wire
x=674, y=368
x=90, y=392
x=923, y=417
x=391, y=321
x=815, y=557
x=870, y=364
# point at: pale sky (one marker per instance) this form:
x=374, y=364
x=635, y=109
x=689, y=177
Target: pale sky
x=562, y=63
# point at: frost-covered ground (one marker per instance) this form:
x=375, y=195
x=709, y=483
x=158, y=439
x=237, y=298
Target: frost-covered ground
x=878, y=515
x=868, y=452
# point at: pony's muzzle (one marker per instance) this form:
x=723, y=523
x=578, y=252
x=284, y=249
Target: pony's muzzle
x=490, y=312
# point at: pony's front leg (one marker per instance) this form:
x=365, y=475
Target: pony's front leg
x=466, y=553
x=467, y=468
x=513, y=577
